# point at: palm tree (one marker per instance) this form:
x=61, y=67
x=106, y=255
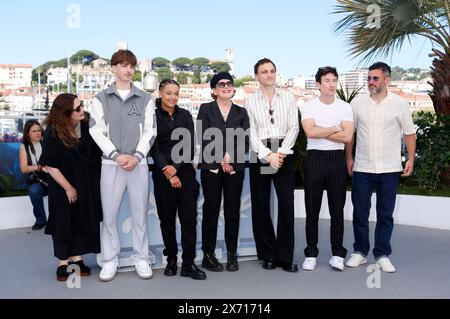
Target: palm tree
x=371, y=35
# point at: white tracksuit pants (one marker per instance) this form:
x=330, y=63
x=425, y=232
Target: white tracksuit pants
x=114, y=181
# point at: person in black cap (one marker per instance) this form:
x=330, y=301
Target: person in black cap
x=222, y=164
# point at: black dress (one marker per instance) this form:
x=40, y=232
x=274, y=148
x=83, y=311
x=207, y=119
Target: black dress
x=75, y=228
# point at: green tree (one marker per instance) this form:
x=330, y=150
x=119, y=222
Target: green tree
x=241, y=81
x=182, y=77
x=182, y=63
x=137, y=76
x=160, y=62
x=371, y=35
x=164, y=73
x=220, y=66
x=208, y=78
x=200, y=62
x=80, y=56
x=196, y=78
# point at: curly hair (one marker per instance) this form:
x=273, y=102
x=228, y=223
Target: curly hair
x=60, y=119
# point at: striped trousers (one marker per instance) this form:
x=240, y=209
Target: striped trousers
x=325, y=170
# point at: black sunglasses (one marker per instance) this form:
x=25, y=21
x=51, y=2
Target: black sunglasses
x=78, y=108
x=272, y=120
x=222, y=85
x=375, y=78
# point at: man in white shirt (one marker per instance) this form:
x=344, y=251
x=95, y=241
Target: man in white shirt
x=124, y=127
x=273, y=130
x=380, y=120
x=328, y=124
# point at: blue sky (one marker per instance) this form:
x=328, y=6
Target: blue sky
x=297, y=35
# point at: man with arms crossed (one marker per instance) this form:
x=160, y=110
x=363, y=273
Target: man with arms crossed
x=328, y=124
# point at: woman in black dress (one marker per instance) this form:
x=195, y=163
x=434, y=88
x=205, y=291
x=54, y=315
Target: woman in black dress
x=73, y=161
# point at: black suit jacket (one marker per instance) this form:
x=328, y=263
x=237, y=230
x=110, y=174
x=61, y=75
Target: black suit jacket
x=234, y=142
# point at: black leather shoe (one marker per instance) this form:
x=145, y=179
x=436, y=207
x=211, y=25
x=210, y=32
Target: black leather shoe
x=84, y=270
x=287, y=266
x=211, y=263
x=193, y=272
x=38, y=226
x=61, y=273
x=269, y=264
x=232, y=264
x=171, y=268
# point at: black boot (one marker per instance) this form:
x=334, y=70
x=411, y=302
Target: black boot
x=192, y=271
x=61, y=273
x=232, y=264
x=84, y=270
x=171, y=268
x=211, y=263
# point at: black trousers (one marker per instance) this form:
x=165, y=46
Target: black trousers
x=213, y=185
x=76, y=246
x=168, y=201
x=325, y=170
x=279, y=247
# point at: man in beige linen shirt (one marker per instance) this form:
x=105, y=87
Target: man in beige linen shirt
x=380, y=119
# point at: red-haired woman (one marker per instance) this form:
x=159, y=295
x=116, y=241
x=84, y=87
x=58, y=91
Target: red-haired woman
x=73, y=161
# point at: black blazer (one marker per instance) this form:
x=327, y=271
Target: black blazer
x=235, y=143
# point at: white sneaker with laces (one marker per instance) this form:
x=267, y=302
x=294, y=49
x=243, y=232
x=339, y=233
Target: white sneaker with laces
x=108, y=271
x=309, y=263
x=385, y=264
x=143, y=269
x=356, y=260
x=337, y=263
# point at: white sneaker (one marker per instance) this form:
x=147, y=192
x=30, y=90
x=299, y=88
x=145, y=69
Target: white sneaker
x=309, y=263
x=143, y=269
x=108, y=271
x=385, y=264
x=337, y=263
x=356, y=260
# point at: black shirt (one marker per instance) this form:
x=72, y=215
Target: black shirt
x=162, y=149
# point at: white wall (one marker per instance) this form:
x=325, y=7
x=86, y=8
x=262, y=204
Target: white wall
x=422, y=211
x=17, y=212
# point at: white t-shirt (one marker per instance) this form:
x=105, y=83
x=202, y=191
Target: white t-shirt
x=326, y=115
x=124, y=93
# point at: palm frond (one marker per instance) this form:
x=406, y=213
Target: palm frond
x=399, y=21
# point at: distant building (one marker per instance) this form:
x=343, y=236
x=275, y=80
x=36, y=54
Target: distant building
x=229, y=58
x=299, y=82
x=310, y=83
x=122, y=45
x=354, y=79
x=15, y=76
x=57, y=76
x=93, y=78
x=412, y=86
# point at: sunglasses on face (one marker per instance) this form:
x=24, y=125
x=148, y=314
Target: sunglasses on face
x=222, y=85
x=78, y=108
x=374, y=78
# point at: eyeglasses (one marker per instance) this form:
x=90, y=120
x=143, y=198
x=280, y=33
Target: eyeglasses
x=222, y=85
x=78, y=108
x=375, y=78
x=272, y=120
